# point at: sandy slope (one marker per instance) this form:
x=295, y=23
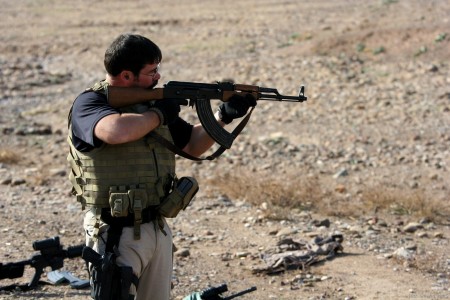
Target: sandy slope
x=377, y=77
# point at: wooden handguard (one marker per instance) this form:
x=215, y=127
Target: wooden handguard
x=125, y=96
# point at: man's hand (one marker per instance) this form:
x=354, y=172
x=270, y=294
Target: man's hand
x=236, y=107
x=168, y=109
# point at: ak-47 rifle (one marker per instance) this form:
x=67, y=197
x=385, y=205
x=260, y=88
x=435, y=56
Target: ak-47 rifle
x=213, y=293
x=51, y=255
x=200, y=95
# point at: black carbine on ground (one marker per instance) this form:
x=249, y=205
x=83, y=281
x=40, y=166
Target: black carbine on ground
x=214, y=293
x=51, y=255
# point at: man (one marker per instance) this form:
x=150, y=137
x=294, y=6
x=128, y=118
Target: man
x=122, y=174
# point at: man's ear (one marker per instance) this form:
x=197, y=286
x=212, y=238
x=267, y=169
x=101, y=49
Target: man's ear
x=126, y=76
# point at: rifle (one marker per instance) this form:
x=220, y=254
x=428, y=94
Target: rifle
x=213, y=293
x=51, y=255
x=200, y=94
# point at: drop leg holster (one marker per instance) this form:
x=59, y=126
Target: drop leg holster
x=109, y=281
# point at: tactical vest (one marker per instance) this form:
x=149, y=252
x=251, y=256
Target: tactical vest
x=126, y=177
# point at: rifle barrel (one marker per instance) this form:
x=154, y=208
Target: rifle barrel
x=283, y=98
x=249, y=290
x=74, y=251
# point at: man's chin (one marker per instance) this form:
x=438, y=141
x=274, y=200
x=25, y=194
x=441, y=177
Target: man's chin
x=153, y=85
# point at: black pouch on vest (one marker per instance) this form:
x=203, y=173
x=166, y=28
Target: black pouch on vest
x=179, y=198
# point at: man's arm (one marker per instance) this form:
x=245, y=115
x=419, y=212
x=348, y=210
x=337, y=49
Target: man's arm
x=126, y=127
x=200, y=140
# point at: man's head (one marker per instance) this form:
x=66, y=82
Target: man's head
x=133, y=60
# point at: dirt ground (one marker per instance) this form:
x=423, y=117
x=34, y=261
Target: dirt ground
x=367, y=156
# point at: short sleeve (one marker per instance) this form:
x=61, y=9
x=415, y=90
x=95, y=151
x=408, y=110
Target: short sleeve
x=87, y=110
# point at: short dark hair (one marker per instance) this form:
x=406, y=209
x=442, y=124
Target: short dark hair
x=130, y=52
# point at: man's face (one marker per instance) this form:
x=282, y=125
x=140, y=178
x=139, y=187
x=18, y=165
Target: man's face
x=148, y=76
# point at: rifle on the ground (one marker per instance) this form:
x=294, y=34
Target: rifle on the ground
x=199, y=95
x=213, y=293
x=51, y=255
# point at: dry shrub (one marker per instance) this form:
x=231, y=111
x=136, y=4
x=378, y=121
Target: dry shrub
x=8, y=156
x=432, y=263
x=405, y=202
x=337, y=205
x=280, y=193
x=283, y=193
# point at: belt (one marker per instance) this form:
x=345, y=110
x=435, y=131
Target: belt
x=148, y=214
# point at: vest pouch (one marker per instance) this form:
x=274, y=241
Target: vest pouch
x=179, y=198
x=119, y=202
x=145, y=199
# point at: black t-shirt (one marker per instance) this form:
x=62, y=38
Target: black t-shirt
x=90, y=107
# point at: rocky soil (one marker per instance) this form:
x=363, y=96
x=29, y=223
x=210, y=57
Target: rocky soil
x=367, y=156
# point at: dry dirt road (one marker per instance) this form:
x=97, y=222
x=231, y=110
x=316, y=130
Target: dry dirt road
x=366, y=156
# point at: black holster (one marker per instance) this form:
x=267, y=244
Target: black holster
x=108, y=280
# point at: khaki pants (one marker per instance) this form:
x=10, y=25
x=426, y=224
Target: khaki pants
x=150, y=257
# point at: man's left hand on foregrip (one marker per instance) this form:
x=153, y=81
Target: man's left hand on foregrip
x=236, y=107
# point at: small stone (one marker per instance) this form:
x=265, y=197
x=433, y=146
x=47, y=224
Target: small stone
x=341, y=173
x=320, y=223
x=425, y=220
x=372, y=221
x=422, y=234
x=6, y=181
x=184, y=252
x=403, y=253
x=242, y=254
x=434, y=177
x=58, y=172
x=286, y=231
x=411, y=247
x=412, y=227
x=18, y=181
x=438, y=235
x=340, y=188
